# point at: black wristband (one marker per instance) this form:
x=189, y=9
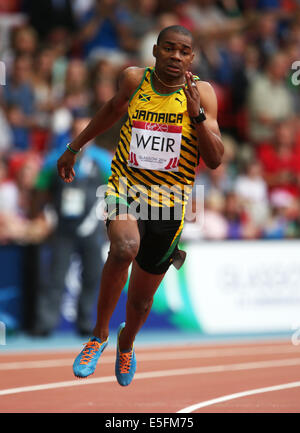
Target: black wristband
x=200, y=118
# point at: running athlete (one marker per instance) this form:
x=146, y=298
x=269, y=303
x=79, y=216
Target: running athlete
x=171, y=123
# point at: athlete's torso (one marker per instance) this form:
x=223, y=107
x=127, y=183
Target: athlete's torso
x=158, y=146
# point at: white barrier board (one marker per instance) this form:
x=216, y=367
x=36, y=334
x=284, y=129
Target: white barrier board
x=239, y=286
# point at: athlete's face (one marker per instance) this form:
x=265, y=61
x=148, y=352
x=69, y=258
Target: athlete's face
x=174, y=54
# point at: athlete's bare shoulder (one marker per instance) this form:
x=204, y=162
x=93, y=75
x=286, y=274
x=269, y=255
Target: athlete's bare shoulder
x=208, y=98
x=205, y=87
x=130, y=79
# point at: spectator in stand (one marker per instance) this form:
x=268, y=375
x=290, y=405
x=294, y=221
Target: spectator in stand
x=234, y=216
x=252, y=190
x=215, y=225
x=266, y=37
x=243, y=76
x=18, y=89
x=104, y=84
x=16, y=190
x=19, y=103
x=142, y=16
x=180, y=9
x=284, y=217
x=105, y=31
x=74, y=96
x=269, y=99
x=211, y=224
x=8, y=191
x=6, y=136
x=103, y=91
x=280, y=159
x=240, y=225
x=294, y=29
x=230, y=59
x=42, y=81
x=104, y=70
x=206, y=16
x=221, y=179
x=62, y=44
x=76, y=92
x=23, y=41
x=23, y=170
x=211, y=21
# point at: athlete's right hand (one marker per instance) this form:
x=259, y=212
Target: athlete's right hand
x=65, y=166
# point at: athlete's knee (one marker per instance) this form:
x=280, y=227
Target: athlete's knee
x=140, y=305
x=124, y=250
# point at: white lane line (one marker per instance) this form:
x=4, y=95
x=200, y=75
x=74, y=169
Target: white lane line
x=161, y=356
x=161, y=373
x=228, y=397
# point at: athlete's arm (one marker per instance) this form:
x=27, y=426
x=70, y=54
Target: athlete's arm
x=209, y=137
x=105, y=117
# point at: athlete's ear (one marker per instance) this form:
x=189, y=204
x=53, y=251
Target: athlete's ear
x=154, y=51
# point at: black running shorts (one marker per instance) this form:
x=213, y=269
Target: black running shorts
x=159, y=237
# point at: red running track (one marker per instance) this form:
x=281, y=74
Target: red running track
x=225, y=378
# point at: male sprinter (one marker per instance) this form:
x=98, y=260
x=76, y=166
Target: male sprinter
x=172, y=121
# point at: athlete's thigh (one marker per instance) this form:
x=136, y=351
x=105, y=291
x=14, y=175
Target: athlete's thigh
x=158, y=245
x=123, y=228
x=142, y=284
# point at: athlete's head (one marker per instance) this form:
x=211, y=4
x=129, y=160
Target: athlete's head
x=174, y=29
x=174, y=51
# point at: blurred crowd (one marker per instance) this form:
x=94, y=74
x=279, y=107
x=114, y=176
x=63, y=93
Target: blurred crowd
x=62, y=59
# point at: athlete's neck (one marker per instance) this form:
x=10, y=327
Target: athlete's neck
x=171, y=84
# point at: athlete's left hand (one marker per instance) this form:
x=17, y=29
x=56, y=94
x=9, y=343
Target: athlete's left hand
x=65, y=166
x=192, y=95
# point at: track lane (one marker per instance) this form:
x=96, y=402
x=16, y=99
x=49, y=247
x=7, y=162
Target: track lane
x=157, y=394
x=157, y=359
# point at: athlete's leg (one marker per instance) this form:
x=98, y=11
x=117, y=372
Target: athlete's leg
x=142, y=287
x=124, y=245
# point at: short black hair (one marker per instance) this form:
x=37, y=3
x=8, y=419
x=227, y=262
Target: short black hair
x=175, y=29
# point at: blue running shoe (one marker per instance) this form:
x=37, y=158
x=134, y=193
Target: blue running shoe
x=85, y=363
x=125, y=363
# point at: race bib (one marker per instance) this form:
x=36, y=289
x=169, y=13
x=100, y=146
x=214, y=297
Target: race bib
x=155, y=146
